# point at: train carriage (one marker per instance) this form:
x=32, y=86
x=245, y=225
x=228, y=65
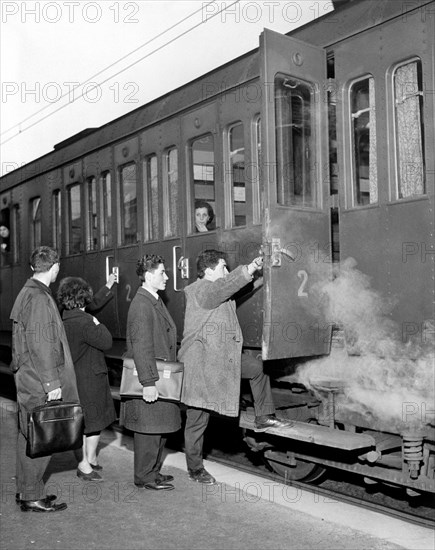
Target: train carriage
x=317, y=149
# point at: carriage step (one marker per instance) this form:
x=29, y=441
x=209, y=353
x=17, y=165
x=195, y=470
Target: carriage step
x=311, y=433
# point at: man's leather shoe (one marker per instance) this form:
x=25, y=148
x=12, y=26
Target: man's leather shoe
x=43, y=505
x=158, y=486
x=18, y=499
x=162, y=478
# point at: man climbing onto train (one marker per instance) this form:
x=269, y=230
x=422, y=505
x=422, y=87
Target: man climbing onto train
x=211, y=351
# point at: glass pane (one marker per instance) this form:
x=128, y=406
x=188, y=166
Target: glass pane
x=92, y=223
x=171, y=193
x=106, y=210
x=16, y=234
x=295, y=142
x=203, y=174
x=56, y=222
x=255, y=173
x=35, y=223
x=365, y=177
x=408, y=93
x=75, y=220
x=237, y=174
x=5, y=237
x=151, y=198
x=129, y=200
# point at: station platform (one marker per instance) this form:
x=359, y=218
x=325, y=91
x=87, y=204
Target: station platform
x=241, y=511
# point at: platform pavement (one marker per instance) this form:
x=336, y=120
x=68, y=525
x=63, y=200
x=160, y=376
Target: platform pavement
x=241, y=512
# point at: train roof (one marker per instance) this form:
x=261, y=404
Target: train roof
x=350, y=17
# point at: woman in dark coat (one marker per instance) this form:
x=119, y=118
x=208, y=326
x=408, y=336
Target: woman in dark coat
x=151, y=333
x=88, y=338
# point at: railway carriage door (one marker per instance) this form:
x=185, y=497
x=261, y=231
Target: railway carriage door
x=296, y=228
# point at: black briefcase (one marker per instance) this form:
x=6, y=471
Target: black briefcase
x=54, y=427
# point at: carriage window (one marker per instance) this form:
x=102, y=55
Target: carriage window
x=202, y=171
x=74, y=219
x=5, y=237
x=295, y=142
x=363, y=116
x=408, y=99
x=255, y=172
x=237, y=174
x=56, y=226
x=91, y=219
x=16, y=234
x=35, y=223
x=106, y=210
x=128, y=195
x=170, y=193
x=151, y=196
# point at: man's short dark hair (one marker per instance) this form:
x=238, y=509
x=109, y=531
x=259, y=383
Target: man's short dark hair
x=43, y=259
x=74, y=292
x=208, y=258
x=149, y=262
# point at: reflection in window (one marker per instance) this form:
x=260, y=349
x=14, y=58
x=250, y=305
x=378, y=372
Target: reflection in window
x=295, y=142
x=74, y=219
x=151, y=196
x=106, y=210
x=5, y=237
x=35, y=223
x=202, y=171
x=170, y=193
x=408, y=99
x=91, y=222
x=365, y=173
x=128, y=195
x=16, y=234
x=256, y=170
x=56, y=225
x=237, y=174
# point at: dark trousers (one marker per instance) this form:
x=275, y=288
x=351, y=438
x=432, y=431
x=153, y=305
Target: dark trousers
x=148, y=456
x=30, y=472
x=197, y=419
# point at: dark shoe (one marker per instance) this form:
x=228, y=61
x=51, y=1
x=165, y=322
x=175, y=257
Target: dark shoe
x=50, y=498
x=161, y=478
x=43, y=505
x=93, y=476
x=202, y=476
x=95, y=466
x=263, y=423
x=157, y=486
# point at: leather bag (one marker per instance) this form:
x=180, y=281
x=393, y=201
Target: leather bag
x=54, y=427
x=168, y=385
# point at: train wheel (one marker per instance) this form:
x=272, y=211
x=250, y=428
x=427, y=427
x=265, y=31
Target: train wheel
x=302, y=471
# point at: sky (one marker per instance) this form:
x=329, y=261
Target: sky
x=70, y=65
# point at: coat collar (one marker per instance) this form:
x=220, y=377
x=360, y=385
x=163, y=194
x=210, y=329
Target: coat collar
x=72, y=313
x=34, y=283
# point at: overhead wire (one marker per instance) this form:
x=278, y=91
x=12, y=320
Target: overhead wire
x=117, y=73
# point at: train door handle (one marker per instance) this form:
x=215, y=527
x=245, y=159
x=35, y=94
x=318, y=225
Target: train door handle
x=183, y=267
x=115, y=269
x=277, y=250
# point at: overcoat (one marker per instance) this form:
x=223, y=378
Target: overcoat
x=41, y=358
x=151, y=334
x=211, y=348
x=87, y=342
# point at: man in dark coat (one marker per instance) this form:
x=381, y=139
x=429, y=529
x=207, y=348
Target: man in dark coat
x=43, y=370
x=211, y=351
x=151, y=334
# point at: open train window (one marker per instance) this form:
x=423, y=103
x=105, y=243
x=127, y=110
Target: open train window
x=151, y=197
x=5, y=237
x=128, y=201
x=363, y=124
x=106, y=227
x=295, y=142
x=408, y=102
x=202, y=173
x=56, y=225
x=35, y=220
x=91, y=215
x=170, y=192
x=75, y=244
x=16, y=234
x=236, y=175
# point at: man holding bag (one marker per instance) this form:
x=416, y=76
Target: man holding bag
x=43, y=370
